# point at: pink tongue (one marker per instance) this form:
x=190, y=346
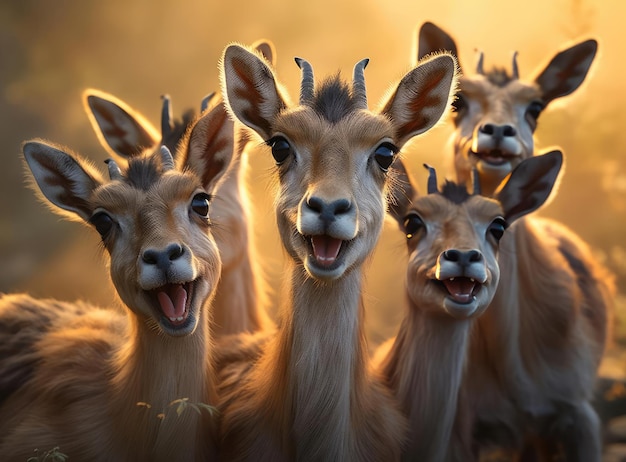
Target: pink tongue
x=460, y=289
x=325, y=249
x=173, y=300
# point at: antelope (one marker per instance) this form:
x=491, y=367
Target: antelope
x=112, y=385
x=451, y=278
x=309, y=394
x=535, y=353
x=496, y=113
x=241, y=297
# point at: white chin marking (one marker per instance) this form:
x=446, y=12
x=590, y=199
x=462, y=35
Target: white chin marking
x=487, y=168
x=460, y=310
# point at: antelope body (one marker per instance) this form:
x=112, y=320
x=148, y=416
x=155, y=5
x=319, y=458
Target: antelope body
x=534, y=354
x=452, y=276
x=106, y=384
x=309, y=394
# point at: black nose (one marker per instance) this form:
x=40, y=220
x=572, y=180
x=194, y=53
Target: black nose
x=163, y=258
x=463, y=257
x=498, y=131
x=328, y=211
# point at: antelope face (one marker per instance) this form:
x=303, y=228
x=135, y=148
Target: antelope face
x=495, y=118
x=163, y=263
x=452, y=266
x=332, y=179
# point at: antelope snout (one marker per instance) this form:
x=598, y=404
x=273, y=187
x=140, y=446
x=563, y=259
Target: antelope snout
x=454, y=263
x=336, y=218
x=170, y=264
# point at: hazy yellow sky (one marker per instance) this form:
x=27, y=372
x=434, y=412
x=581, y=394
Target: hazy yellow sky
x=139, y=49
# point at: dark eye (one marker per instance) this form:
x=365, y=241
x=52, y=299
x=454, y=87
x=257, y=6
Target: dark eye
x=281, y=149
x=534, y=109
x=412, y=225
x=200, y=204
x=384, y=155
x=102, y=222
x=459, y=103
x=497, y=227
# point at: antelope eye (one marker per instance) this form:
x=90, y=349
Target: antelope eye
x=497, y=228
x=384, y=155
x=102, y=222
x=200, y=204
x=281, y=149
x=412, y=225
x=534, y=109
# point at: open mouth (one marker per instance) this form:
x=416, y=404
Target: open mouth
x=174, y=302
x=494, y=156
x=326, y=251
x=462, y=290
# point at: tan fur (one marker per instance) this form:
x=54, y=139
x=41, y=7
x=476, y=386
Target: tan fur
x=424, y=364
x=535, y=353
x=309, y=395
x=106, y=381
x=241, y=299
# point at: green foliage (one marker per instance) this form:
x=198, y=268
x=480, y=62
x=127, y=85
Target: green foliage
x=180, y=405
x=53, y=455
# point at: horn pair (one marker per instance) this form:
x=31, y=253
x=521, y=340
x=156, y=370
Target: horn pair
x=433, y=188
x=480, y=69
x=307, y=87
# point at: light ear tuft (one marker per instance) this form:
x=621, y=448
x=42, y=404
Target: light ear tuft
x=250, y=89
x=529, y=185
x=422, y=97
x=120, y=129
x=64, y=180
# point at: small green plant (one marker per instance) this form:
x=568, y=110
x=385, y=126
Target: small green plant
x=53, y=455
x=181, y=405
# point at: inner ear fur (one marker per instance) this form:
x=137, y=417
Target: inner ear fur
x=529, y=185
x=250, y=89
x=422, y=96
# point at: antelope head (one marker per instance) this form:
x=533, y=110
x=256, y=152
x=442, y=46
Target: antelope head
x=332, y=153
x=452, y=234
x=495, y=113
x=153, y=218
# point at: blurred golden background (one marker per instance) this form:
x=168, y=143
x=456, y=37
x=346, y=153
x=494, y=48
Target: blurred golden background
x=140, y=49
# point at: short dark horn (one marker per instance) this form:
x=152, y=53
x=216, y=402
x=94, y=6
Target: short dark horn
x=475, y=182
x=358, y=83
x=166, y=117
x=515, y=68
x=307, y=88
x=204, y=105
x=167, y=161
x=114, y=171
x=479, y=66
x=432, y=179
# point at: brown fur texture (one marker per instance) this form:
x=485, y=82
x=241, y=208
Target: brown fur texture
x=133, y=384
x=445, y=293
x=309, y=394
x=241, y=297
x=535, y=353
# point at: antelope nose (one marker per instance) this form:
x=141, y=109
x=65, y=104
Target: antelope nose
x=498, y=131
x=163, y=258
x=328, y=211
x=463, y=258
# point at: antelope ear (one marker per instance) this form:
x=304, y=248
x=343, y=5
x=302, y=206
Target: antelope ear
x=211, y=144
x=529, y=185
x=402, y=192
x=120, y=129
x=431, y=39
x=267, y=49
x=65, y=180
x=422, y=96
x=250, y=89
x=567, y=70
